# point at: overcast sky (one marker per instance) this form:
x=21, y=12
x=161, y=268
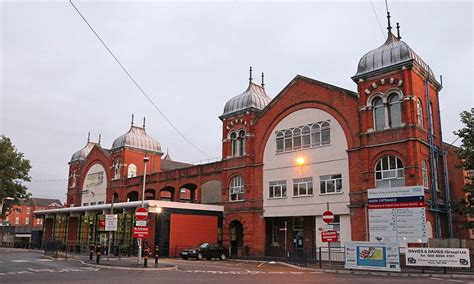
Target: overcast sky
x=58, y=82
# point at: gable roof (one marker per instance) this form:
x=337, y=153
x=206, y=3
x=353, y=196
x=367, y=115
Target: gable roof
x=46, y=202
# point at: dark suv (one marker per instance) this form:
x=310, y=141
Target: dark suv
x=205, y=250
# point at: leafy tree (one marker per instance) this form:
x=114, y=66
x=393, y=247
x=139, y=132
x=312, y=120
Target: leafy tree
x=466, y=154
x=14, y=169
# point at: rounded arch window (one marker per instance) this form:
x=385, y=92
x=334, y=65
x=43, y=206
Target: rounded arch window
x=315, y=135
x=236, y=189
x=242, y=142
x=305, y=136
x=288, y=140
x=394, y=111
x=419, y=113
x=132, y=171
x=379, y=113
x=325, y=133
x=233, y=139
x=279, y=141
x=424, y=174
x=389, y=172
x=296, y=138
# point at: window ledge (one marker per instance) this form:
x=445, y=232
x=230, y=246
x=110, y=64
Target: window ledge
x=283, y=197
x=308, y=195
x=332, y=193
x=302, y=149
x=275, y=244
x=237, y=200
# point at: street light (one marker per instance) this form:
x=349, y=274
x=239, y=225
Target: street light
x=145, y=161
x=300, y=161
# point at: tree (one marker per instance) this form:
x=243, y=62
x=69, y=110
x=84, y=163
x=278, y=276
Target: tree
x=466, y=154
x=14, y=169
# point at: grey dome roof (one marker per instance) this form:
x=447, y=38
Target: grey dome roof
x=253, y=97
x=393, y=52
x=137, y=138
x=82, y=154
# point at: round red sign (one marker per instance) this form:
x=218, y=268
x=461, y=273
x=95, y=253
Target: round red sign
x=328, y=217
x=141, y=214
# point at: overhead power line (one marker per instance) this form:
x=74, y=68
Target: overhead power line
x=136, y=83
x=378, y=21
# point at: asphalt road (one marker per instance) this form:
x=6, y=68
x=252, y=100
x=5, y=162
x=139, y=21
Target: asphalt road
x=21, y=266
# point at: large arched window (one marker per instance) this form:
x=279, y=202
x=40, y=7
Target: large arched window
x=424, y=174
x=306, y=137
x=132, y=171
x=233, y=139
x=315, y=135
x=395, y=114
x=419, y=113
x=389, y=172
x=379, y=114
x=288, y=140
x=241, y=143
x=236, y=189
x=296, y=138
x=279, y=141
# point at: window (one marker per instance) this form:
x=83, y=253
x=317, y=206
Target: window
x=27, y=221
x=394, y=111
x=241, y=143
x=275, y=231
x=28, y=210
x=419, y=113
x=85, y=204
x=277, y=189
x=17, y=220
x=303, y=137
x=424, y=174
x=236, y=189
x=93, y=203
x=116, y=166
x=435, y=175
x=431, y=116
x=298, y=223
x=100, y=202
x=132, y=171
x=330, y=184
x=303, y=186
x=238, y=143
x=233, y=139
x=38, y=221
x=379, y=114
x=389, y=172
x=73, y=179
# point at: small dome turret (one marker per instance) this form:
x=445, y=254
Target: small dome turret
x=137, y=138
x=81, y=154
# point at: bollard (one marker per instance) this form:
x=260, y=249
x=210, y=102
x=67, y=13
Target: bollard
x=157, y=251
x=91, y=251
x=145, y=258
x=98, y=251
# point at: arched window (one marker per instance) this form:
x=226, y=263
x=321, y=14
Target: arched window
x=236, y=189
x=233, y=139
x=116, y=166
x=288, y=140
x=379, y=114
x=315, y=135
x=306, y=137
x=424, y=174
x=395, y=114
x=419, y=113
x=132, y=171
x=325, y=133
x=389, y=172
x=241, y=143
x=279, y=141
x=296, y=138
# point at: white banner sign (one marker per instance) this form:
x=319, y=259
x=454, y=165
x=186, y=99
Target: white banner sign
x=372, y=256
x=445, y=257
x=111, y=222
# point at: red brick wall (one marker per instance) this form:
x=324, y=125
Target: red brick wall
x=188, y=231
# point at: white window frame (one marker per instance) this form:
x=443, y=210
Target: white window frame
x=389, y=173
x=27, y=221
x=236, y=189
x=424, y=174
x=303, y=137
x=281, y=186
x=131, y=171
x=303, y=184
x=335, y=180
x=419, y=113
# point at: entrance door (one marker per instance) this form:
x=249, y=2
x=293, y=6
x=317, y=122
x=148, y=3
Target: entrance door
x=298, y=241
x=236, y=239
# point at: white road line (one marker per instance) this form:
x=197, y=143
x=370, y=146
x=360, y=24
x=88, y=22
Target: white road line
x=44, y=259
x=20, y=260
x=434, y=278
x=454, y=280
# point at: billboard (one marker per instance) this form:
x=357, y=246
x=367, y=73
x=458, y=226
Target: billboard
x=372, y=256
x=397, y=215
x=95, y=184
x=443, y=257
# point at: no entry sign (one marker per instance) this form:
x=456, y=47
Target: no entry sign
x=141, y=214
x=329, y=236
x=328, y=217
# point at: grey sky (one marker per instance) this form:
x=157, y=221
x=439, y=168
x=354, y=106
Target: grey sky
x=58, y=82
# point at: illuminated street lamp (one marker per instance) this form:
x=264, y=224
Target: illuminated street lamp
x=300, y=161
x=145, y=161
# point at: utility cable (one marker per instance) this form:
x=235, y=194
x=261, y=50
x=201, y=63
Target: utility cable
x=375, y=13
x=136, y=83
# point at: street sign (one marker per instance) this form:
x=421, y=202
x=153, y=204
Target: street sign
x=101, y=223
x=111, y=222
x=328, y=227
x=140, y=223
x=140, y=232
x=328, y=217
x=141, y=214
x=329, y=236
x=444, y=257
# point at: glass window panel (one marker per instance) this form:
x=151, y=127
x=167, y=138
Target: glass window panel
x=310, y=188
x=283, y=190
x=330, y=186
x=322, y=186
x=385, y=163
x=339, y=185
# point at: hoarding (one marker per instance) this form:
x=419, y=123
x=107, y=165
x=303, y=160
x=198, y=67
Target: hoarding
x=397, y=215
x=372, y=256
x=444, y=257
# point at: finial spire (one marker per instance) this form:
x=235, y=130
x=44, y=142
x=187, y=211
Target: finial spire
x=263, y=82
x=398, y=31
x=250, y=78
x=132, y=119
x=144, y=119
x=389, y=27
x=100, y=136
x=88, y=137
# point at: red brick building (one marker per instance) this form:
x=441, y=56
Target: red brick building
x=286, y=160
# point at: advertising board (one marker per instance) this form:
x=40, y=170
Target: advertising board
x=111, y=222
x=372, y=256
x=443, y=257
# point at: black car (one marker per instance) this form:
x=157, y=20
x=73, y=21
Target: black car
x=205, y=250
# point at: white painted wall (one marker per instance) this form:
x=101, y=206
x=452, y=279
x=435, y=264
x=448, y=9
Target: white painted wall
x=319, y=161
x=94, y=185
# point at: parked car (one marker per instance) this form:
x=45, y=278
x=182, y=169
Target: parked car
x=205, y=250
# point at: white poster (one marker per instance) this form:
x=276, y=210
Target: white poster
x=444, y=257
x=111, y=222
x=372, y=256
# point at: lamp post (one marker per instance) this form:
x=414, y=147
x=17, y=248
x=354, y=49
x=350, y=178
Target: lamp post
x=145, y=160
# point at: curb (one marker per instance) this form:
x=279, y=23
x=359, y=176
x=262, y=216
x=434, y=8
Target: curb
x=103, y=266
x=362, y=272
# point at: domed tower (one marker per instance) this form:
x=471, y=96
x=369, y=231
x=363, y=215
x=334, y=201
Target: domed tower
x=239, y=114
x=400, y=125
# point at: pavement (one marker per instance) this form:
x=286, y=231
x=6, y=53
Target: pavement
x=123, y=263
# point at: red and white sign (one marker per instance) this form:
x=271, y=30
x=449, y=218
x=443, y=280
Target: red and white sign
x=328, y=217
x=140, y=232
x=141, y=214
x=329, y=236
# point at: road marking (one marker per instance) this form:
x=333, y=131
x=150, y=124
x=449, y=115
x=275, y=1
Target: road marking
x=20, y=260
x=434, y=278
x=454, y=280
x=44, y=259
x=260, y=265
